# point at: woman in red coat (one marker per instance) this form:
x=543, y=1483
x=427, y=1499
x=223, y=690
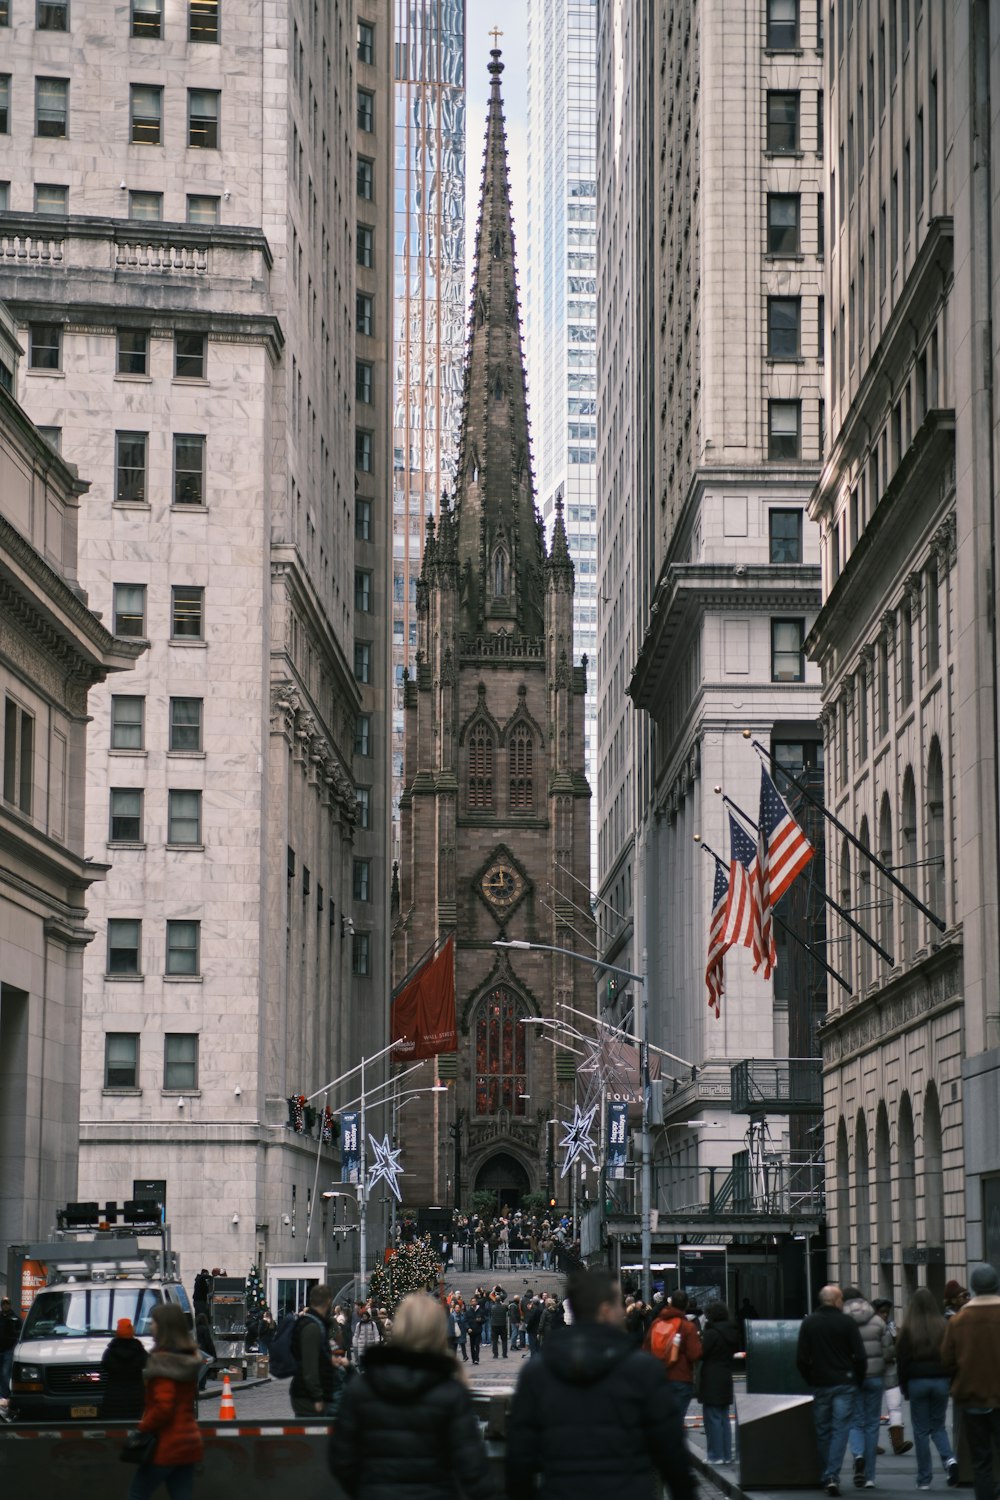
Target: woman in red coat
x=171, y=1377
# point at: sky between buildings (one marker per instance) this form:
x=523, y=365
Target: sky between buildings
x=512, y=18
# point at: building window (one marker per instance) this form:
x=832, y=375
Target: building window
x=146, y=114
x=4, y=103
x=361, y=953
x=782, y=223
x=788, y=662
x=18, y=756
x=203, y=118
x=145, y=206
x=366, y=111
x=501, y=1075
x=363, y=382
x=183, y=817
x=129, y=609
x=203, y=21
x=189, y=469
x=366, y=178
x=783, y=320
x=128, y=723
x=133, y=351
x=782, y=121
x=362, y=520
x=782, y=25
x=147, y=18
x=187, y=613
x=785, y=535
x=5, y=203
x=520, y=757
x=51, y=107
x=482, y=752
x=183, y=941
x=363, y=734
x=130, y=468
x=783, y=425
x=364, y=795
x=121, y=1060
x=124, y=941
x=363, y=661
x=185, y=723
x=362, y=591
x=52, y=15
x=189, y=356
x=364, y=313
x=365, y=246
x=362, y=880
x=45, y=346
x=126, y=815
x=366, y=42
x=4, y=12
x=202, y=209
x=905, y=657
x=180, y=1060
x=51, y=198
x=363, y=450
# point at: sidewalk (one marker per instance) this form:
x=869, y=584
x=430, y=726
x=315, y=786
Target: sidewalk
x=893, y=1476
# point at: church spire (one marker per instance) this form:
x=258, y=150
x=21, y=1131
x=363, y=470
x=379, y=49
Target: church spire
x=500, y=549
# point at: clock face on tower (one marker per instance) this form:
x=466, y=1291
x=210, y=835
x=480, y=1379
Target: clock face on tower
x=502, y=885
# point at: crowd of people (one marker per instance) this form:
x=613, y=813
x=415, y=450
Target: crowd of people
x=503, y=1240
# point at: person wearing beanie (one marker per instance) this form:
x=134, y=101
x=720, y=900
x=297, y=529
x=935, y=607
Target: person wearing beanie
x=955, y=1298
x=971, y=1355
x=122, y=1364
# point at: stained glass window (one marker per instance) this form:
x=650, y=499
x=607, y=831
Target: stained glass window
x=521, y=755
x=501, y=1076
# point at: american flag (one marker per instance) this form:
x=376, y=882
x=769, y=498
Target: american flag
x=716, y=938
x=742, y=919
x=783, y=851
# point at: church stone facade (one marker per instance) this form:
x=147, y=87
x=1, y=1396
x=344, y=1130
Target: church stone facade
x=495, y=814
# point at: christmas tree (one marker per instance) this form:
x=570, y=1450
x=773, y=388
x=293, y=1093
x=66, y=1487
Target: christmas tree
x=254, y=1291
x=411, y=1268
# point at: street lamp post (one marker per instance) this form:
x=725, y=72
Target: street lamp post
x=646, y=1161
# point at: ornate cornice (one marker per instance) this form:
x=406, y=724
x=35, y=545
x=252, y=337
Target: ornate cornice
x=909, y=999
x=292, y=717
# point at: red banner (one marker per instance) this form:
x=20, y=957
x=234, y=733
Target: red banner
x=423, y=1011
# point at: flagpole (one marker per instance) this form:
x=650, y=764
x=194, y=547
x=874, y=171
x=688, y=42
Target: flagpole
x=873, y=858
x=784, y=926
x=834, y=905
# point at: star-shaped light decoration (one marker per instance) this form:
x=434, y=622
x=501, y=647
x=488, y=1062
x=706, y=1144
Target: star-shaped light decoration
x=578, y=1140
x=385, y=1167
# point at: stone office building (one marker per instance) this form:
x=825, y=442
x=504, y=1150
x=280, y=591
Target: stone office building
x=53, y=651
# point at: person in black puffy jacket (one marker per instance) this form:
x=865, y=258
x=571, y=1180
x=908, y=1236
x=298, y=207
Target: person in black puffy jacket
x=406, y=1428
x=593, y=1416
x=122, y=1364
x=719, y=1344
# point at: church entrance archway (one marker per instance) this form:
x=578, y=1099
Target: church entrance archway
x=503, y=1175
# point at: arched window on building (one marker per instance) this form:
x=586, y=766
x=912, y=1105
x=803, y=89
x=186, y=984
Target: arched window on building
x=501, y=1073
x=500, y=574
x=482, y=754
x=936, y=886
x=843, y=1201
x=863, y=1202
x=885, y=907
x=908, y=859
x=933, y=1165
x=521, y=756
x=906, y=1206
x=865, y=905
x=846, y=954
x=883, y=1200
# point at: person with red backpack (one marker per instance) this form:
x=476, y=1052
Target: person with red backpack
x=674, y=1340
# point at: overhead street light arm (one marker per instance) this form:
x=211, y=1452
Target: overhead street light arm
x=596, y=963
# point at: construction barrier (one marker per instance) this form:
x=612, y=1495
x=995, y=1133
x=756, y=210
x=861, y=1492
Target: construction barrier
x=242, y=1462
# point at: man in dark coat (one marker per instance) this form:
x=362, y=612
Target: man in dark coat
x=593, y=1415
x=122, y=1364
x=831, y=1358
x=498, y=1322
x=10, y=1332
x=315, y=1381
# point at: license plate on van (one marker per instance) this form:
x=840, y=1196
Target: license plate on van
x=83, y=1411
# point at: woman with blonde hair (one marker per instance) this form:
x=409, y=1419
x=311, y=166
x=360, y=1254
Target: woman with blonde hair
x=406, y=1427
x=171, y=1375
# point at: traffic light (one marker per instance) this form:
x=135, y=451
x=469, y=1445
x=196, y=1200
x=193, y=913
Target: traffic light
x=552, y=1203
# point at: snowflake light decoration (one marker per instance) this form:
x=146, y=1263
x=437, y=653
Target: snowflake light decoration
x=578, y=1140
x=386, y=1167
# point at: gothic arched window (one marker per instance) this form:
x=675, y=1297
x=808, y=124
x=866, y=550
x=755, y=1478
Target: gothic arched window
x=500, y=574
x=501, y=1075
x=521, y=760
x=481, y=758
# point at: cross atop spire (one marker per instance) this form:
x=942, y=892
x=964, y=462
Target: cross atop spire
x=496, y=34
x=500, y=548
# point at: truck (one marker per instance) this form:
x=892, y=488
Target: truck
x=79, y=1285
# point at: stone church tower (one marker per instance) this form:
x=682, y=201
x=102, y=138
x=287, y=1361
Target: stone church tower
x=495, y=813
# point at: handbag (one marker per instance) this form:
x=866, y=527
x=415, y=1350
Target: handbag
x=138, y=1448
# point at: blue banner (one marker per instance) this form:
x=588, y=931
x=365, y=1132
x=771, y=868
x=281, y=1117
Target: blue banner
x=617, y=1140
x=350, y=1148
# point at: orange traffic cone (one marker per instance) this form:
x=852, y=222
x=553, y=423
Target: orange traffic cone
x=227, y=1406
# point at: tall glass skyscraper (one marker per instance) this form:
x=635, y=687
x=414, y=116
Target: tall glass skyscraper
x=429, y=303
x=561, y=296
